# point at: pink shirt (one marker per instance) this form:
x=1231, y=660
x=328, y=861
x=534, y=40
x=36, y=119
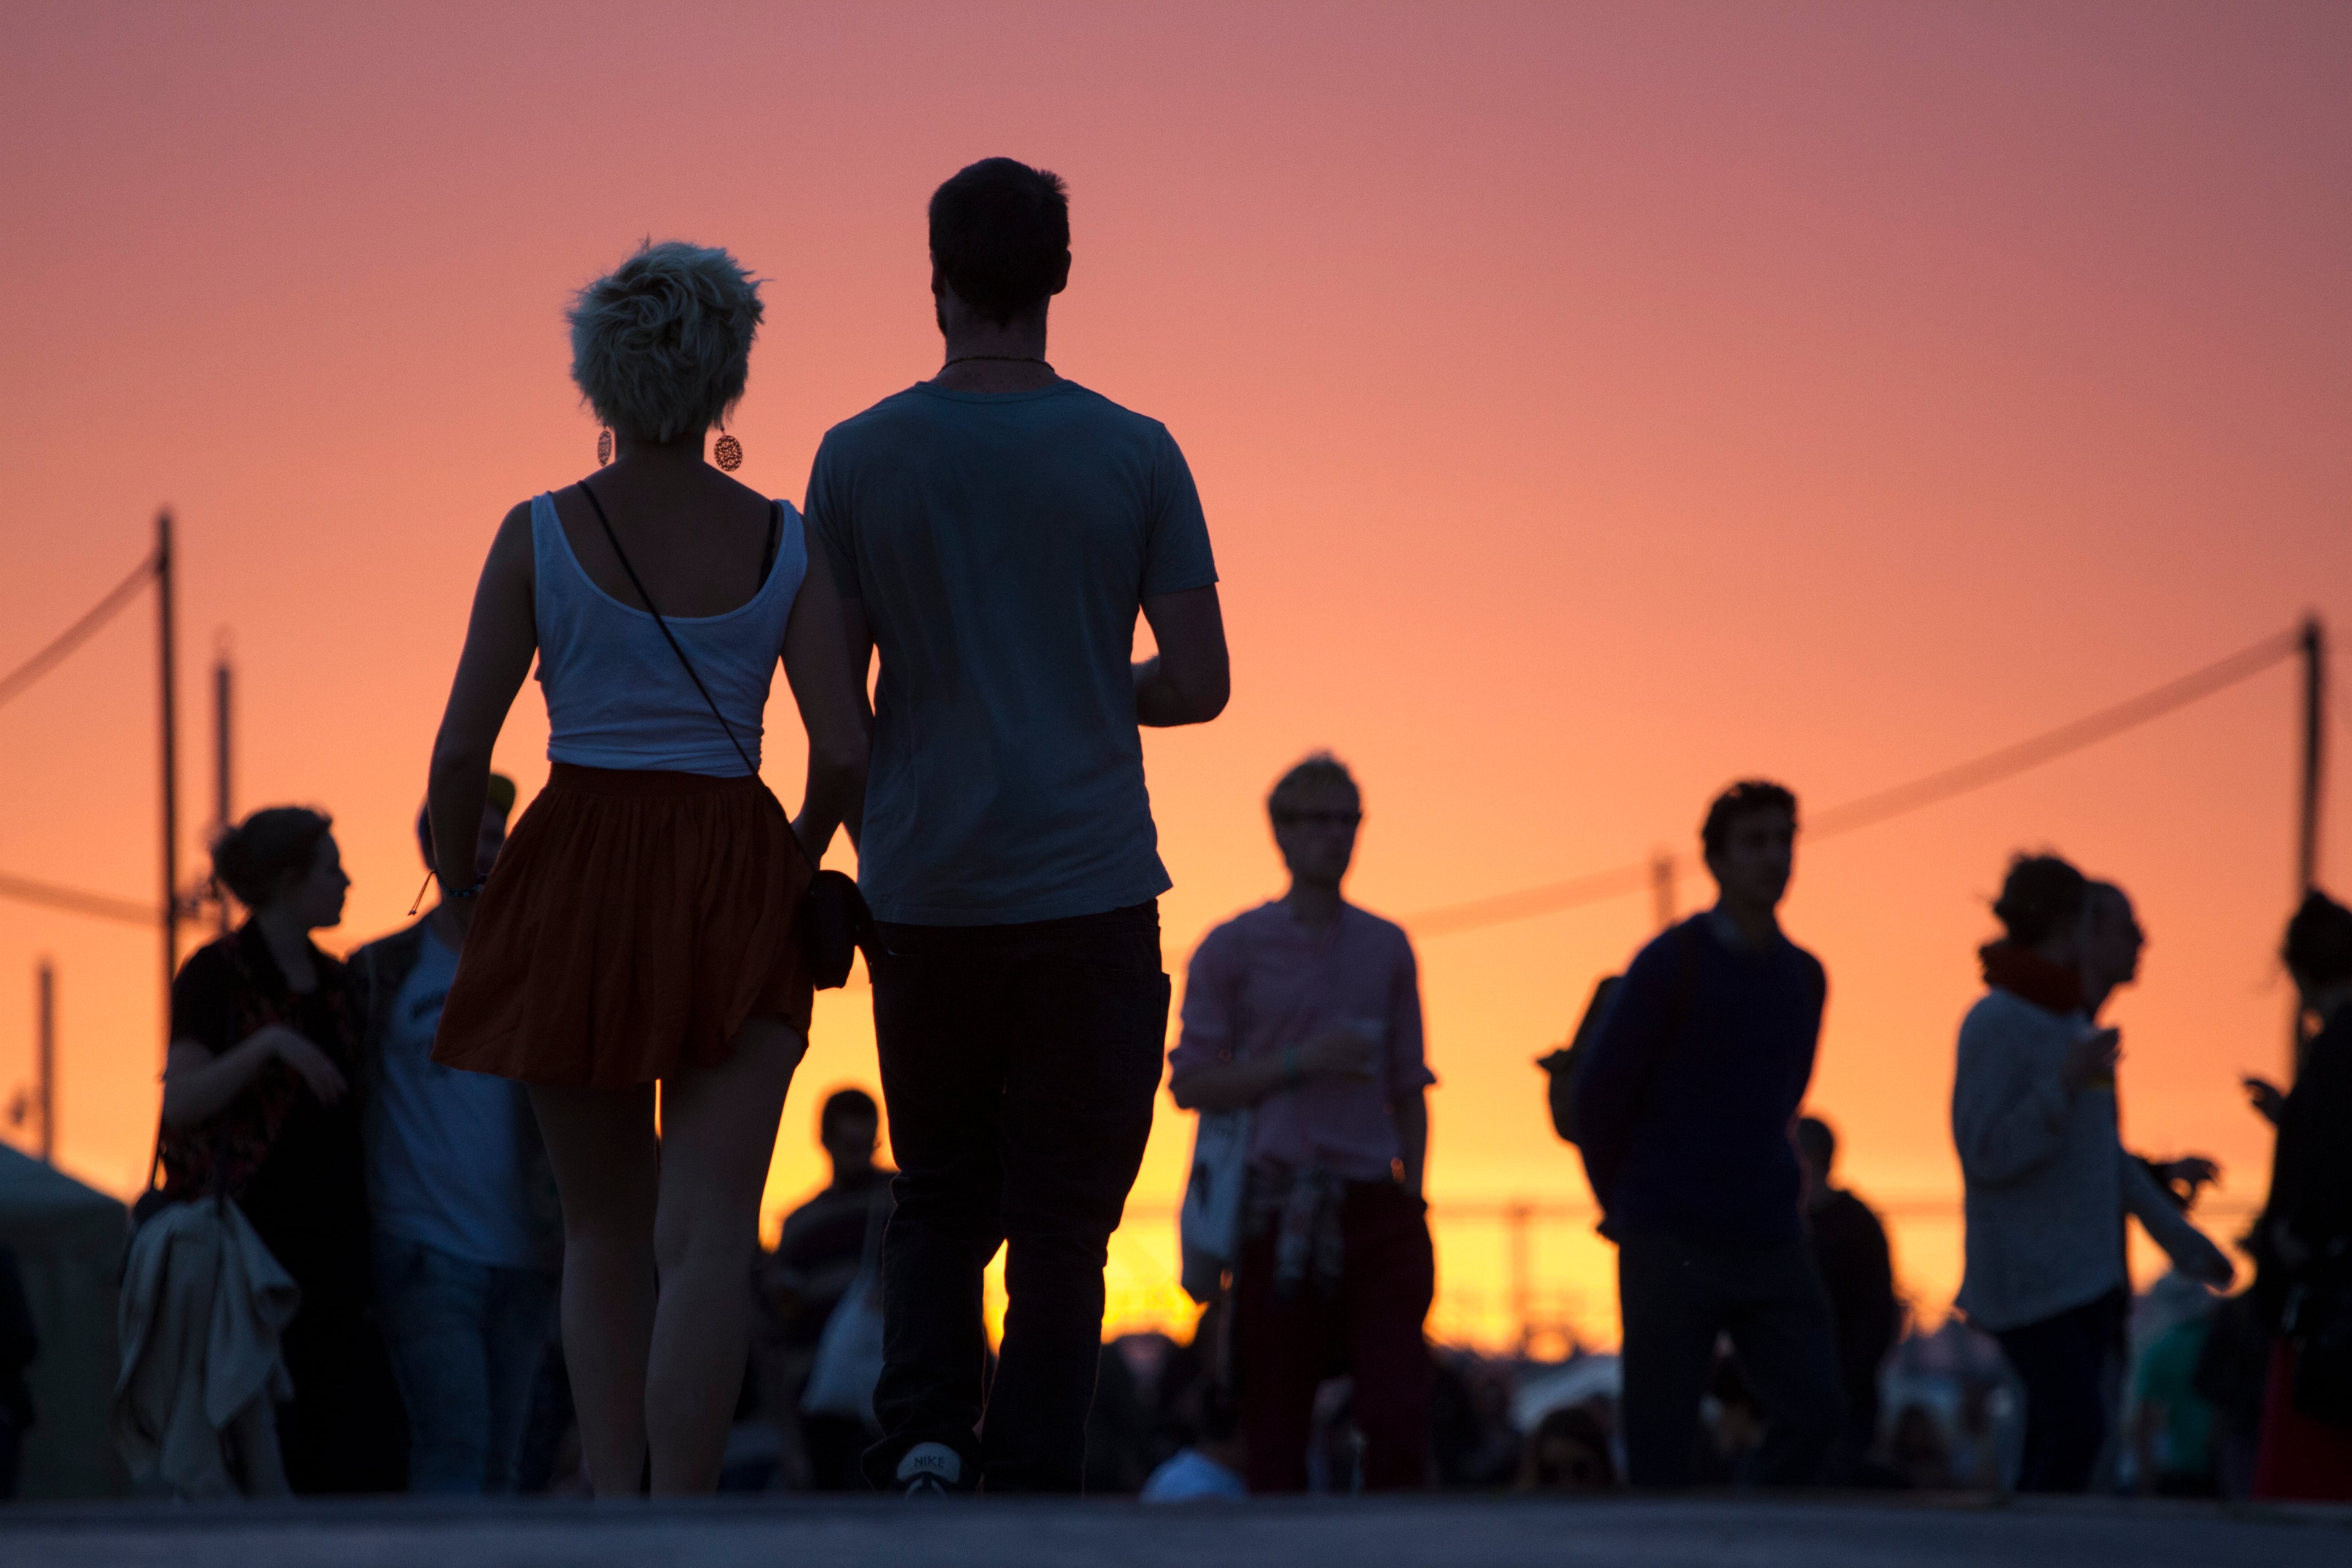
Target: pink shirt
x=1261, y=982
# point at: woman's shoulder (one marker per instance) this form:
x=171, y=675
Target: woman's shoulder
x=2001, y=1015
x=214, y=964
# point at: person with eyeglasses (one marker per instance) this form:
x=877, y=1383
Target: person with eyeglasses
x=1306, y=1009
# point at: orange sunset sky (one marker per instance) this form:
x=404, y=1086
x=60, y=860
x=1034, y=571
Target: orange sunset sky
x=1591, y=404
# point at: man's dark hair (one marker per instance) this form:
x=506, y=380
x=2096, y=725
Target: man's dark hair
x=1819, y=1143
x=2040, y=895
x=254, y=860
x=2319, y=939
x=1316, y=771
x=1744, y=798
x=1001, y=236
x=842, y=1103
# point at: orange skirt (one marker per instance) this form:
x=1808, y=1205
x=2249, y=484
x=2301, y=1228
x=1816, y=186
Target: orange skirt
x=633, y=922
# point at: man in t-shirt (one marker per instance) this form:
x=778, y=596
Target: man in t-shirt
x=1309, y=1010
x=469, y=1241
x=994, y=533
x=1684, y=1104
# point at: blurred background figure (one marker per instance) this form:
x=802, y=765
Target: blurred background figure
x=1567, y=1452
x=2304, y=1241
x=2048, y=1182
x=1308, y=1010
x=1684, y=1105
x=2171, y=1422
x=468, y=1246
x=1196, y=1408
x=1849, y=1249
x=261, y=1103
x=18, y=1345
x=802, y=1281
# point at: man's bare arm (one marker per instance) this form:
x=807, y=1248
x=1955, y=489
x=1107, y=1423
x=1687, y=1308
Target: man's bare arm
x=860, y=634
x=1188, y=681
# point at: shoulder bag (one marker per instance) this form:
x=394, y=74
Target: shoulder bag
x=834, y=921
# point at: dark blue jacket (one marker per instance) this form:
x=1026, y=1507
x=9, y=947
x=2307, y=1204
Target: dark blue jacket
x=1692, y=1080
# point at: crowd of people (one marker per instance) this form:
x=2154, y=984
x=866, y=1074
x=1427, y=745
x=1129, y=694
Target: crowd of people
x=510, y=1160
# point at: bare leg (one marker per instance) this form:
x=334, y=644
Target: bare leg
x=718, y=1134
x=607, y=1166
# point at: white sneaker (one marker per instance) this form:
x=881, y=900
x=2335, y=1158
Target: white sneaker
x=930, y=1469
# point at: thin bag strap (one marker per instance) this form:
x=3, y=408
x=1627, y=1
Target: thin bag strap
x=670, y=638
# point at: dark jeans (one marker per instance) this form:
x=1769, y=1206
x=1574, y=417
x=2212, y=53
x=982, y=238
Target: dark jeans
x=467, y=1339
x=2065, y=1362
x=1371, y=1326
x=1019, y=1063
x=1677, y=1297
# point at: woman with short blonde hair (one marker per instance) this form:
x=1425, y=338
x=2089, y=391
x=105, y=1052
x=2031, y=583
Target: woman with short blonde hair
x=639, y=927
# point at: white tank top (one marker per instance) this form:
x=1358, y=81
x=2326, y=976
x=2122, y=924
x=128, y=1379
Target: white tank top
x=617, y=696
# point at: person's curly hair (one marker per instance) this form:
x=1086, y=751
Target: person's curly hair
x=661, y=347
x=2319, y=939
x=2040, y=895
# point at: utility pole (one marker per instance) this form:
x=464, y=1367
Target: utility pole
x=222, y=681
x=1514, y=1218
x=169, y=713
x=45, y=1061
x=1662, y=887
x=2314, y=643
x=2315, y=752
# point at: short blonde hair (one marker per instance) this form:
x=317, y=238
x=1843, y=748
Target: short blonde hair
x=662, y=345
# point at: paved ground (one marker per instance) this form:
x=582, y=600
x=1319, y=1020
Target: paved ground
x=1421, y=1534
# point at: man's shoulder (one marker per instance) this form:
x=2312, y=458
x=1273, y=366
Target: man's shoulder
x=1118, y=412
x=1687, y=942
x=1379, y=930
x=879, y=420
x=1803, y=960
x=1237, y=930
x=1845, y=1211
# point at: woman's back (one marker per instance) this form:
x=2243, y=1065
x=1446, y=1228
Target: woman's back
x=617, y=697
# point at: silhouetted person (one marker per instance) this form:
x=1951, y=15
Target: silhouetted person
x=817, y=1257
x=1684, y=1105
x=2304, y=1237
x=1849, y=1249
x=1307, y=1009
x=639, y=935
x=469, y=1234
x=2033, y=1118
x=20, y=1346
x=260, y=1104
x=995, y=531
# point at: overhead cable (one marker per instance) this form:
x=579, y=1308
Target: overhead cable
x=1941, y=785
x=96, y=904
x=74, y=636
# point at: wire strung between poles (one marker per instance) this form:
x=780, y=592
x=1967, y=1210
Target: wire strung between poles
x=99, y=905
x=17, y=679
x=1886, y=803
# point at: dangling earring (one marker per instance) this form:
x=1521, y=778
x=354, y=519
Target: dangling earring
x=728, y=452
x=604, y=447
